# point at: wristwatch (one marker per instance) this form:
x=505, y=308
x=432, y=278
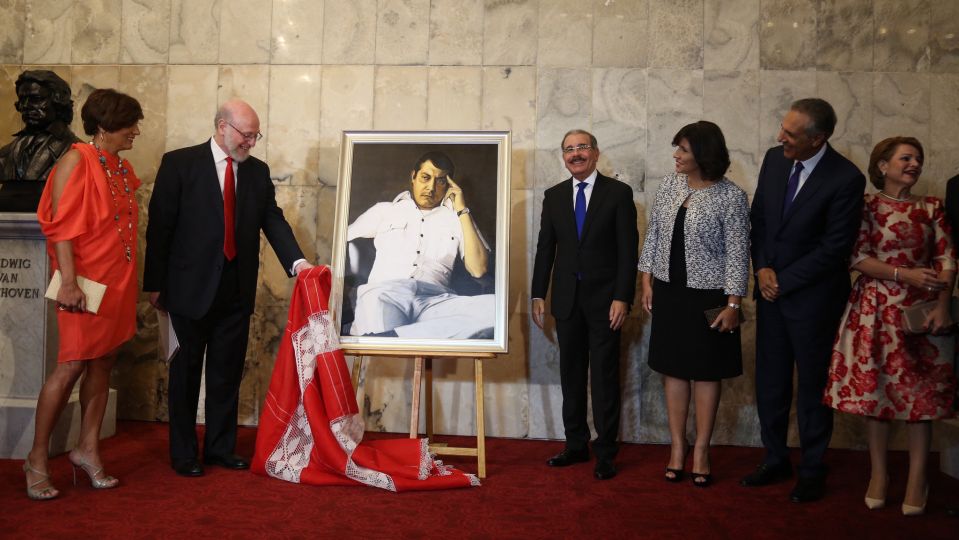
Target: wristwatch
x=463, y=211
x=732, y=305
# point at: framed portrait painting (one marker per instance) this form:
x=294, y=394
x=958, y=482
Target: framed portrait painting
x=420, y=243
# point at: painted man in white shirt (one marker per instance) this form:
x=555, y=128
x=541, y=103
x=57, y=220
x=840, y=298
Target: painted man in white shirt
x=418, y=237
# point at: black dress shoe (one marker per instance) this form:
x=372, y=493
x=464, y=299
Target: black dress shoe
x=568, y=457
x=230, y=461
x=808, y=489
x=766, y=474
x=188, y=467
x=604, y=469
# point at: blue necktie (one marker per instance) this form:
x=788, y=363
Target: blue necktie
x=792, y=186
x=580, y=208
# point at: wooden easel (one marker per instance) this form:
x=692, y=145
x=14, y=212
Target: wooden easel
x=423, y=362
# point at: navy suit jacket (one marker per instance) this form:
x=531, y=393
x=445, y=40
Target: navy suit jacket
x=808, y=247
x=605, y=258
x=184, y=255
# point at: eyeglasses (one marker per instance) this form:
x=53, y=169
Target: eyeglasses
x=252, y=137
x=571, y=149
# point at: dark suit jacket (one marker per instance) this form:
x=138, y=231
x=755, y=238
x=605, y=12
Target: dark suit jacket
x=605, y=258
x=184, y=255
x=808, y=247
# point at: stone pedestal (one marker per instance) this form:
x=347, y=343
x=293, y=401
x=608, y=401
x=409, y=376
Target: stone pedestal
x=28, y=341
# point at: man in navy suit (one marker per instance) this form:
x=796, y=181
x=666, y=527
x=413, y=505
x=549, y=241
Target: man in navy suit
x=805, y=217
x=209, y=204
x=588, y=244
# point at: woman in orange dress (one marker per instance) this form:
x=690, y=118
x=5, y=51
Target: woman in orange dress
x=88, y=212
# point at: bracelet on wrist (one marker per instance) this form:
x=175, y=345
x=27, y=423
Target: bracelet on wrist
x=895, y=273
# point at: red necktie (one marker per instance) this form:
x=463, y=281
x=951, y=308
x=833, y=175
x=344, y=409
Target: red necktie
x=229, y=210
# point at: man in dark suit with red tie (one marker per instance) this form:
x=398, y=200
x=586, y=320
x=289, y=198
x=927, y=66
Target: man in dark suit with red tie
x=588, y=244
x=209, y=204
x=805, y=216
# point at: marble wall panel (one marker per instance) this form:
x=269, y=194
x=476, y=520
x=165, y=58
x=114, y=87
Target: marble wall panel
x=787, y=34
x=49, y=31
x=402, y=31
x=13, y=20
x=251, y=83
x=194, y=31
x=731, y=35
x=850, y=94
x=145, y=32
x=96, y=32
x=524, y=225
x=510, y=32
x=674, y=98
x=456, y=32
x=148, y=84
x=944, y=37
x=678, y=26
x=346, y=103
x=845, y=35
x=503, y=111
x=399, y=100
x=325, y=219
x=191, y=105
x=9, y=117
x=299, y=208
x=563, y=103
x=942, y=148
x=619, y=122
x=245, y=38
x=901, y=35
x=777, y=91
x=297, y=32
x=900, y=105
x=620, y=33
x=731, y=100
x=565, y=33
x=294, y=125
x=266, y=330
x=454, y=100
x=350, y=36
x=83, y=81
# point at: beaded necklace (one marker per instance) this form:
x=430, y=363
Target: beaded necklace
x=121, y=172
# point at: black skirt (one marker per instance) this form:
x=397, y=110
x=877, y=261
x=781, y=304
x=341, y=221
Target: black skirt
x=681, y=343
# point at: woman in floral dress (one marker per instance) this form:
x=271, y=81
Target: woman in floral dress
x=905, y=257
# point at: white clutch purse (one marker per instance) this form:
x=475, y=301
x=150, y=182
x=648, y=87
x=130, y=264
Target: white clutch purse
x=93, y=290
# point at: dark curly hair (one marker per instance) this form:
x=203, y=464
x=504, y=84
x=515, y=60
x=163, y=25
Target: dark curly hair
x=708, y=146
x=58, y=88
x=884, y=152
x=111, y=110
x=441, y=160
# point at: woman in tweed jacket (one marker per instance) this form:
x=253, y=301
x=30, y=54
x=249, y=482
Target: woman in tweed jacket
x=695, y=258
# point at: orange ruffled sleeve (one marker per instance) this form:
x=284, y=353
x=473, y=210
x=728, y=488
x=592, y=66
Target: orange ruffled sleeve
x=78, y=208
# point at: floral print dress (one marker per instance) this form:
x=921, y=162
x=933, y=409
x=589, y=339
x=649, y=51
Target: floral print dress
x=877, y=369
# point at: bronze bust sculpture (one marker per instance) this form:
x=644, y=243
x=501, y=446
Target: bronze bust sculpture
x=46, y=107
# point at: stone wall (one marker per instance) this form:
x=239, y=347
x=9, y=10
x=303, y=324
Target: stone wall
x=631, y=71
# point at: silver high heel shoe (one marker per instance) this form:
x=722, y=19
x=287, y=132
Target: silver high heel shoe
x=42, y=494
x=910, y=510
x=876, y=504
x=98, y=479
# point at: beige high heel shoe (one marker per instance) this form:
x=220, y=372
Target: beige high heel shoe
x=910, y=510
x=98, y=479
x=43, y=494
x=876, y=504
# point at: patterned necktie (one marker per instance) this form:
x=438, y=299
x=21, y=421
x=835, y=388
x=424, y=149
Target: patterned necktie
x=792, y=186
x=580, y=208
x=229, y=210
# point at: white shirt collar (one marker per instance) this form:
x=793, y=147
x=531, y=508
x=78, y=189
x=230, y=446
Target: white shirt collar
x=810, y=164
x=590, y=180
x=407, y=196
x=218, y=153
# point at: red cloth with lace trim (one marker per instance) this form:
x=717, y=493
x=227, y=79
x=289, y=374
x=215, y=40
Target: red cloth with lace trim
x=85, y=217
x=311, y=431
x=878, y=370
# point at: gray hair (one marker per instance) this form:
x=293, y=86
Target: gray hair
x=821, y=115
x=592, y=138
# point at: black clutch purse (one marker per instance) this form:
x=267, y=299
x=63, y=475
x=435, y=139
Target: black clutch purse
x=711, y=315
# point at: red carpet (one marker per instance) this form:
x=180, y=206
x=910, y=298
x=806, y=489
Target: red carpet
x=521, y=498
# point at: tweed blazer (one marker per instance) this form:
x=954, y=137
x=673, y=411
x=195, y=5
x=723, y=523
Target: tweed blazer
x=716, y=234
